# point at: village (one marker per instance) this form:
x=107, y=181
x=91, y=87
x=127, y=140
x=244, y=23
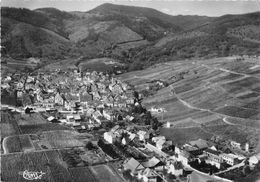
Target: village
x=89, y=101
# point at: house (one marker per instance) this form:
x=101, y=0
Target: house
x=101, y=86
x=253, y=160
x=68, y=117
x=51, y=118
x=89, y=112
x=200, y=144
x=77, y=117
x=148, y=175
x=129, y=118
x=115, y=128
x=96, y=95
x=134, y=166
x=109, y=137
x=174, y=167
x=143, y=135
x=121, y=103
x=152, y=163
x=108, y=114
x=19, y=86
x=71, y=99
x=111, y=85
x=96, y=115
x=153, y=148
x=197, y=146
x=130, y=101
x=235, y=144
x=159, y=141
x=156, y=110
x=58, y=99
x=230, y=159
x=214, y=157
x=183, y=156
x=124, y=86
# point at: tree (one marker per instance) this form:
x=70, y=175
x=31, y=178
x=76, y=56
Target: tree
x=90, y=146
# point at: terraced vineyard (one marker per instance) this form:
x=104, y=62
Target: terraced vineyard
x=206, y=97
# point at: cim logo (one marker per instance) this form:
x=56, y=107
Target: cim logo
x=31, y=175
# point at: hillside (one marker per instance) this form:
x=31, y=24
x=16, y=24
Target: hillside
x=94, y=31
x=203, y=98
x=136, y=36
x=223, y=36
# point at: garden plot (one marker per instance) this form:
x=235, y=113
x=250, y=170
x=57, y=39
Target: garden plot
x=8, y=124
x=63, y=139
x=239, y=112
x=57, y=166
x=104, y=173
x=185, y=123
x=83, y=174
x=245, y=122
x=18, y=143
x=38, y=128
x=31, y=119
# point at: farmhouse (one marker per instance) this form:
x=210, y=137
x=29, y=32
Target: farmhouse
x=230, y=159
x=214, y=157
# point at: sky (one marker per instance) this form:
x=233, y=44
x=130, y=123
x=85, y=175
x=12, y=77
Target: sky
x=172, y=7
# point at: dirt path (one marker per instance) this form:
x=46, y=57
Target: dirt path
x=201, y=109
x=227, y=122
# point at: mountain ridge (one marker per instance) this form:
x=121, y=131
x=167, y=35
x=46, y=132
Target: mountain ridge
x=138, y=36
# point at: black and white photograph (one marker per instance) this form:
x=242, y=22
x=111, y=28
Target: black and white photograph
x=130, y=91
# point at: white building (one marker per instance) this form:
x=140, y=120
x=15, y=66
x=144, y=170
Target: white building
x=253, y=161
x=235, y=144
x=109, y=137
x=230, y=159
x=143, y=135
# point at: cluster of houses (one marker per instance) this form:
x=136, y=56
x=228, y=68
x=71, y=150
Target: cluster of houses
x=172, y=158
x=96, y=96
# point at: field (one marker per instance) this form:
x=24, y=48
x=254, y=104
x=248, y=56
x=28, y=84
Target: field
x=8, y=124
x=99, y=173
x=30, y=119
x=46, y=140
x=99, y=64
x=18, y=143
x=55, y=166
x=80, y=156
x=38, y=128
x=82, y=174
x=106, y=173
x=59, y=139
x=204, y=97
x=13, y=165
